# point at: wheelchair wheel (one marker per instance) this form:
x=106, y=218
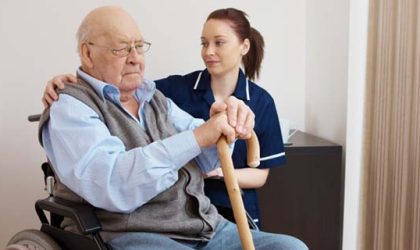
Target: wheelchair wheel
x=32, y=239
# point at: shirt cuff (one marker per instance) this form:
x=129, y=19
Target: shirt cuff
x=182, y=147
x=208, y=159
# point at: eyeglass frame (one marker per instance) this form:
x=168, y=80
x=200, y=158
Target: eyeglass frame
x=127, y=48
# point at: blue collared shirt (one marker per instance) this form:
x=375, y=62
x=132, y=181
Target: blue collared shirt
x=95, y=165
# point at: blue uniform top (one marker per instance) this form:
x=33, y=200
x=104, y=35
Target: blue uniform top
x=192, y=93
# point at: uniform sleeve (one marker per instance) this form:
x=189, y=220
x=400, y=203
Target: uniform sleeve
x=168, y=85
x=269, y=137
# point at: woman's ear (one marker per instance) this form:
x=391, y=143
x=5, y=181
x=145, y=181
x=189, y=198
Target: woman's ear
x=245, y=46
x=85, y=55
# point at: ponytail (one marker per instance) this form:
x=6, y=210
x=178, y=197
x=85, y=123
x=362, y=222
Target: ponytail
x=253, y=59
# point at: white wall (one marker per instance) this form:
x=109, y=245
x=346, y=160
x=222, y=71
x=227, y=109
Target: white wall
x=38, y=41
x=355, y=119
x=326, y=68
x=335, y=63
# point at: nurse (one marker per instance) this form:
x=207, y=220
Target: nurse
x=232, y=52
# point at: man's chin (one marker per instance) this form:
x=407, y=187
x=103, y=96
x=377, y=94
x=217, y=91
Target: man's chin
x=131, y=85
x=132, y=79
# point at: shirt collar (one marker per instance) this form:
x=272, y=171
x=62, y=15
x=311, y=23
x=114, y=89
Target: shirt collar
x=105, y=90
x=242, y=86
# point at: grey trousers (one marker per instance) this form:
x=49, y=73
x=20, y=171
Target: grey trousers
x=226, y=238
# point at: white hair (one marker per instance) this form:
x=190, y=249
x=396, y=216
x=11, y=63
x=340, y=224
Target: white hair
x=82, y=35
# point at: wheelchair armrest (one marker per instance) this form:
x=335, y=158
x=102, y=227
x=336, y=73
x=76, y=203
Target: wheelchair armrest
x=82, y=214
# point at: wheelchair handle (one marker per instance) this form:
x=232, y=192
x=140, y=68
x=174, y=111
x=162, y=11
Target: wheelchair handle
x=232, y=186
x=34, y=118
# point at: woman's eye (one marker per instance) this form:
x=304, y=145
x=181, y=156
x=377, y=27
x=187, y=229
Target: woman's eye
x=220, y=43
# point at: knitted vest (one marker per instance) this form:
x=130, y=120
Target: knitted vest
x=182, y=211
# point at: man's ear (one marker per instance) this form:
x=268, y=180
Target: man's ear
x=85, y=55
x=245, y=46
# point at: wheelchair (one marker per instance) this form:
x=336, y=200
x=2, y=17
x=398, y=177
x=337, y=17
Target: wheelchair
x=52, y=237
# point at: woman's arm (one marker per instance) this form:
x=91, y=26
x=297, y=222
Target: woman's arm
x=251, y=177
x=247, y=177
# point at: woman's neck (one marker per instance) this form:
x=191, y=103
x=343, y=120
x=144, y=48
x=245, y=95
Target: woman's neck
x=224, y=86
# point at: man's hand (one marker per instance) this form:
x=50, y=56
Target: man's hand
x=50, y=91
x=239, y=115
x=209, y=133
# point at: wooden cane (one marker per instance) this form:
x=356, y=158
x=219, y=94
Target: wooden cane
x=232, y=186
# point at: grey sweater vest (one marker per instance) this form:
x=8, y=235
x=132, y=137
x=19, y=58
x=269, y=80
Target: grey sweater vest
x=180, y=212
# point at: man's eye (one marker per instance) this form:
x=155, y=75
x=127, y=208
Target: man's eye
x=119, y=51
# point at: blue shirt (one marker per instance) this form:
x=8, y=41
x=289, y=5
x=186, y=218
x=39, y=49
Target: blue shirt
x=192, y=93
x=95, y=165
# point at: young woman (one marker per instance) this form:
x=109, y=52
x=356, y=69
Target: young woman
x=228, y=43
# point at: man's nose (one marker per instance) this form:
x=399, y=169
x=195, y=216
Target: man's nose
x=135, y=57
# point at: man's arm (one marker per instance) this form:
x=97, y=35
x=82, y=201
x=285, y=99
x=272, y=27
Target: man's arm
x=208, y=159
x=95, y=164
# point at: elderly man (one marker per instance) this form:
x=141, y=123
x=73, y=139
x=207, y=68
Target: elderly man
x=116, y=142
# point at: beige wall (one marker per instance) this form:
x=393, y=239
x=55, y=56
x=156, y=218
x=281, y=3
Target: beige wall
x=37, y=41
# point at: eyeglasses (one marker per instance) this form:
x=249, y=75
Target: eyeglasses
x=141, y=48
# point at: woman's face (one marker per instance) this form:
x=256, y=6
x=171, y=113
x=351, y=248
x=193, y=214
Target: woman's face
x=222, y=50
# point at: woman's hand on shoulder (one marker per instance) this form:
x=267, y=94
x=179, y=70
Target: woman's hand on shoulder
x=57, y=82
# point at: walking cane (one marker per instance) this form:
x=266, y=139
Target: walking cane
x=232, y=186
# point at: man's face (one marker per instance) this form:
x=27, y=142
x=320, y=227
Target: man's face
x=125, y=72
